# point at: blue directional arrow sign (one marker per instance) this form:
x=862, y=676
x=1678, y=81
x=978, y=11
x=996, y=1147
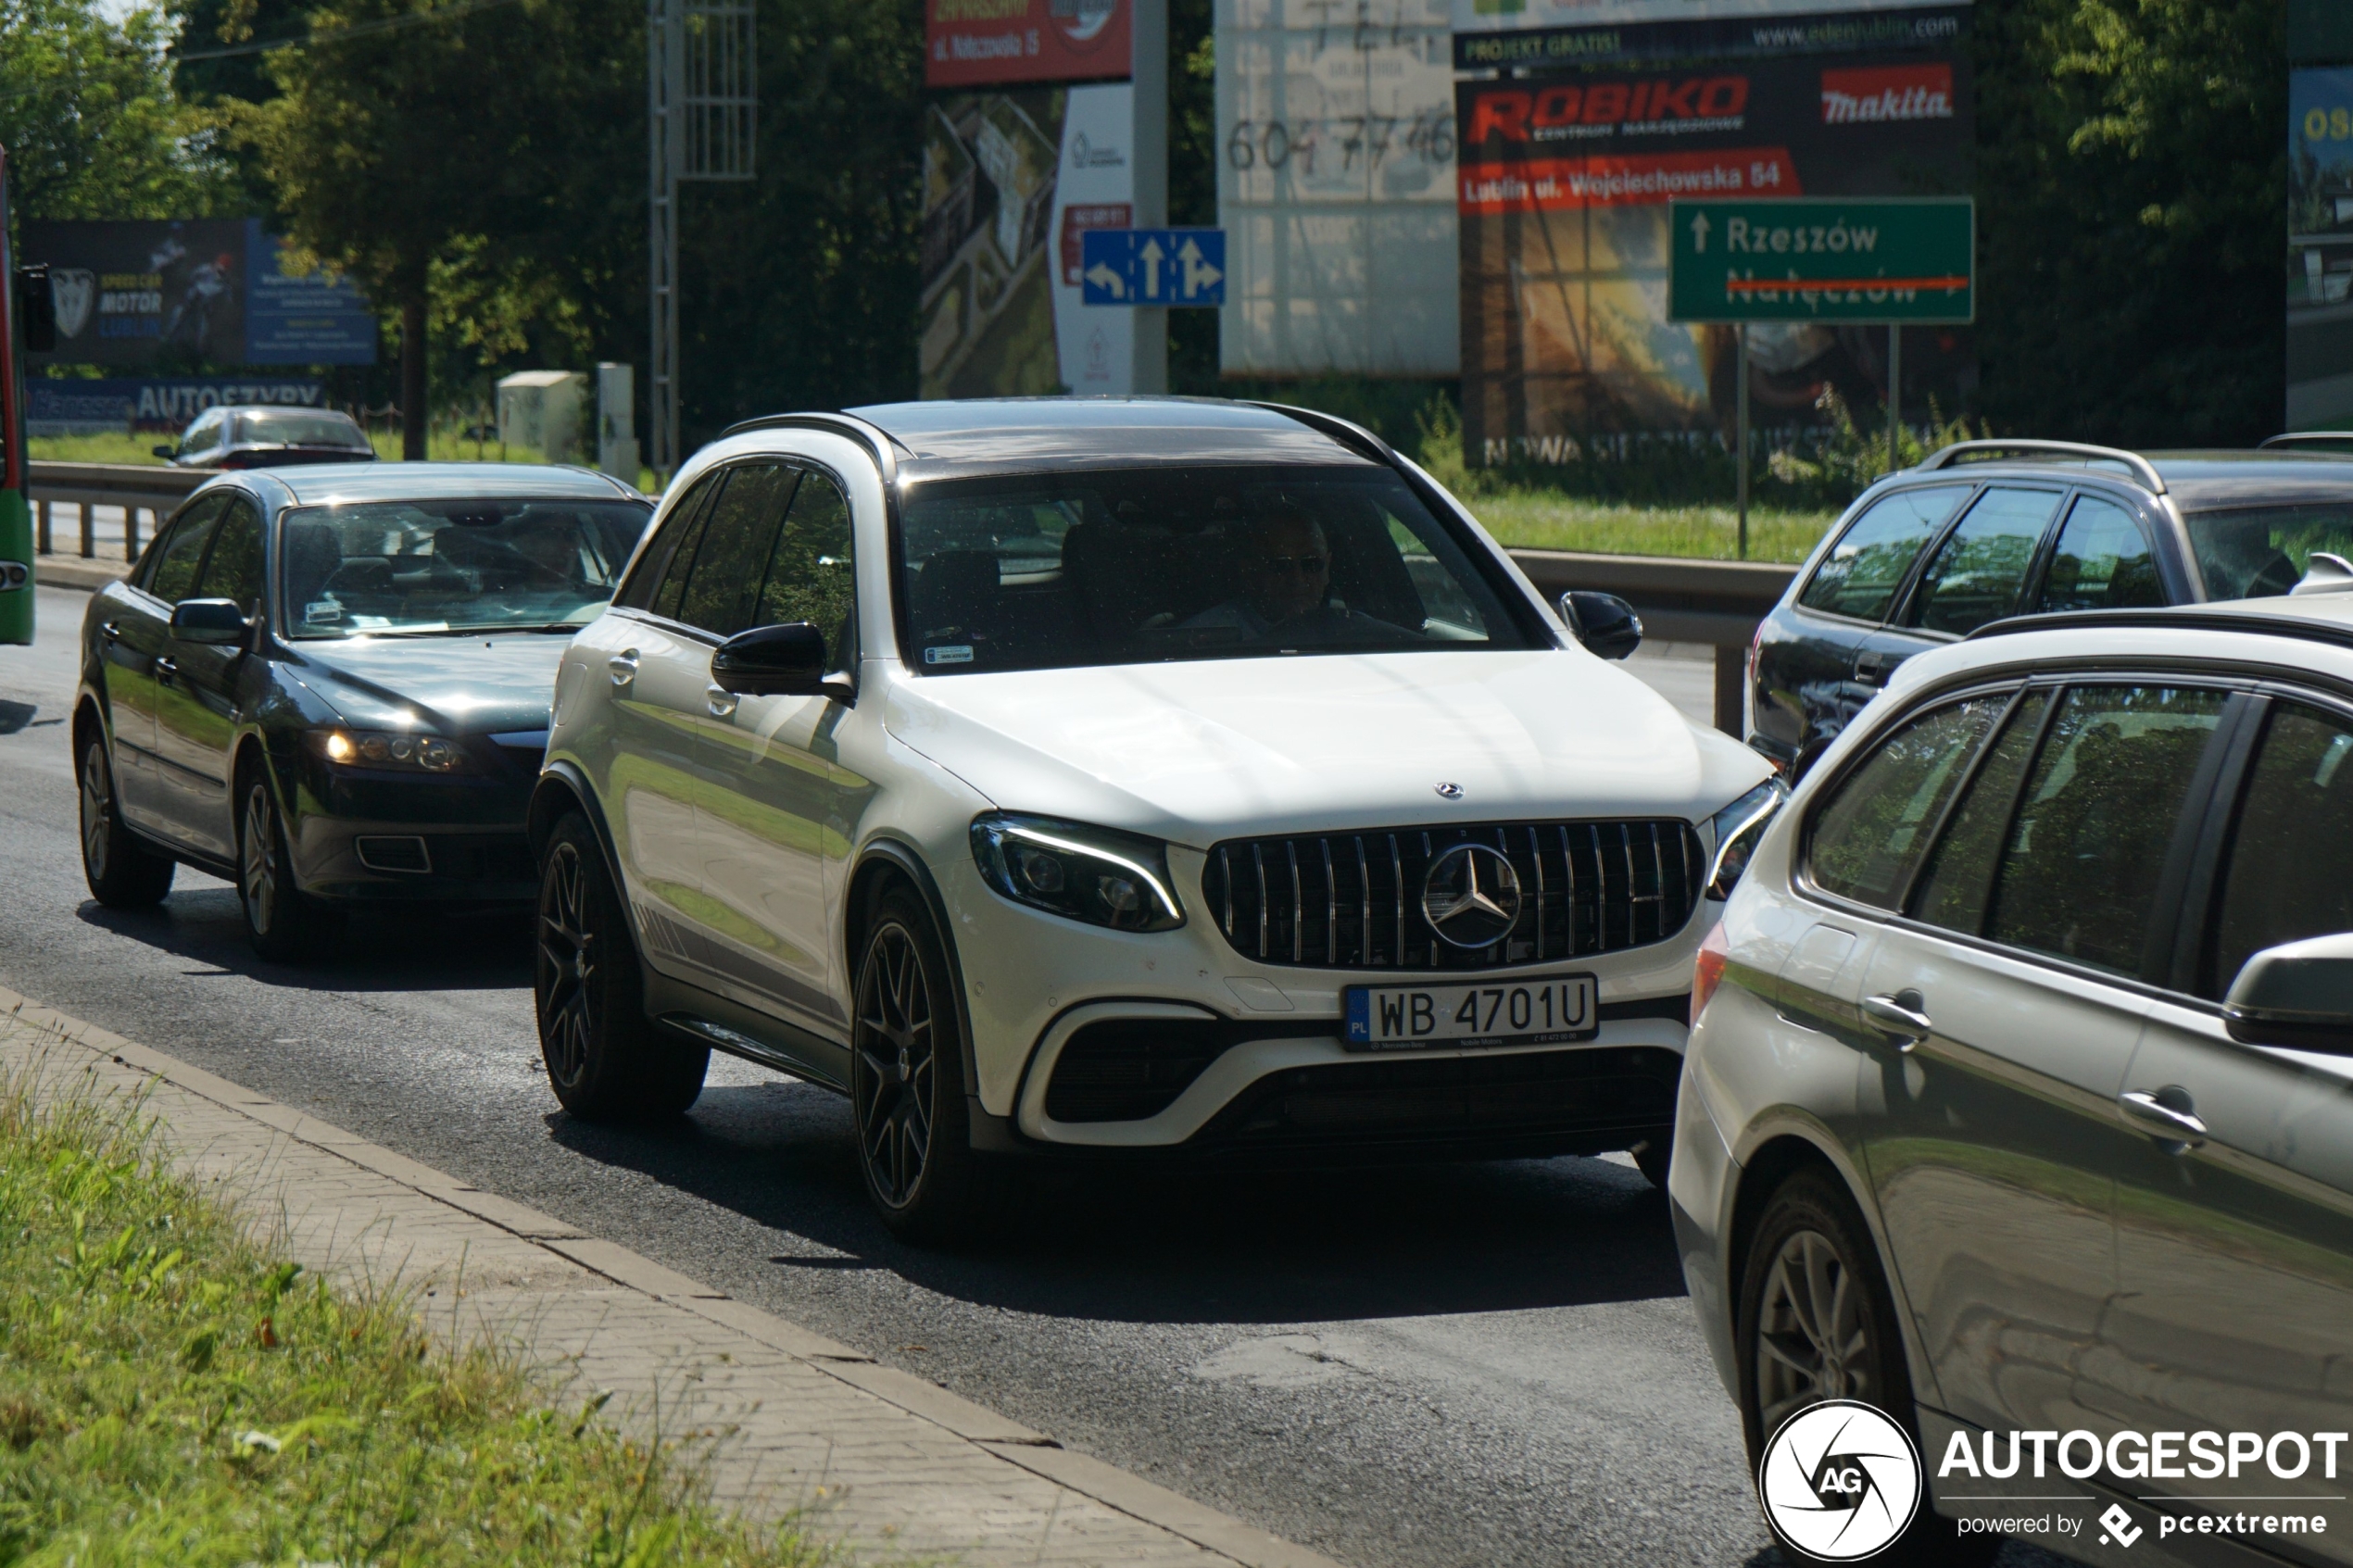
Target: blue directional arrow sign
x=1152, y=266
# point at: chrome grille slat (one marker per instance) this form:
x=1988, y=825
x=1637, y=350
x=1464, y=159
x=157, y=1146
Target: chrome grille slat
x=1602, y=906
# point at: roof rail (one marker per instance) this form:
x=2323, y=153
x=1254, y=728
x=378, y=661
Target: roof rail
x=2192, y=617
x=2143, y=471
x=880, y=442
x=2306, y=438
x=1346, y=431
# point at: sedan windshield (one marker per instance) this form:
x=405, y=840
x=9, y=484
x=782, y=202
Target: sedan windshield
x=2256, y=552
x=1126, y=567
x=378, y=567
x=299, y=430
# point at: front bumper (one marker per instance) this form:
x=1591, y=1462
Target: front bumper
x=375, y=837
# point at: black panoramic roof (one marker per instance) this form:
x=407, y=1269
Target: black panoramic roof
x=1026, y=434
x=2320, y=618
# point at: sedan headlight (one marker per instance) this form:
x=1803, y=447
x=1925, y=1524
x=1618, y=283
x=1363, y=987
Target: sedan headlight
x=1738, y=828
x=387, y=749
x=1091, y=874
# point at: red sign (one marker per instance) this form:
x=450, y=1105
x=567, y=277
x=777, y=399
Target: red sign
x=975, y=43
x=1874, y=95
x=1573, y=111
x=1551, y=184
x=1078, y=219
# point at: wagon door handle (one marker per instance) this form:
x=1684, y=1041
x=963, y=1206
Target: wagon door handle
x=722, y=701
x=1899, y=1017
x=111, y=631
x=623, y=666
x=2176, y=1125
x=166, y=669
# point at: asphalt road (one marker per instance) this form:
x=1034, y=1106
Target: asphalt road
x=1458, y=1366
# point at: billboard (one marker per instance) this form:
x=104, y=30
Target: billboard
x=1011, y=181
x=1562, y=194
x=992, y=42
x=198, y=289
x=153, y=403
x=2319, y=249
x=1335, y=188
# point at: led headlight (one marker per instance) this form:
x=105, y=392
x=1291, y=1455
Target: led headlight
x=1091, y=874
x=1738, y=827
x=387, y=749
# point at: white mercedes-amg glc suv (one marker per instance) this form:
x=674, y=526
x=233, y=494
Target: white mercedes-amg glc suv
x=1086, y=777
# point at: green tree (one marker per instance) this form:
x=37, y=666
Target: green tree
x=2131, y=214
x=90, y=121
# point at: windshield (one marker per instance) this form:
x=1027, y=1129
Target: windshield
x=300, y=430
x=1126, y=567
x=419, y=567
x=2260, y=551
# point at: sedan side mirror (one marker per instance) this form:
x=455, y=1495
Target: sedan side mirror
x=166, y=453
x=209, y=620
x=1603, y=622
x=787, y=660
x=2300, y=995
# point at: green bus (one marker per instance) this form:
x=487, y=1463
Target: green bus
x=28, y=325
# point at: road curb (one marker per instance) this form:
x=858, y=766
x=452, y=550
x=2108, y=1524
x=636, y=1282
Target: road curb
x=983, y=1429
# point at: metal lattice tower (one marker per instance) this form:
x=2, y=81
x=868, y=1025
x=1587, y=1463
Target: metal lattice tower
x=701, y=117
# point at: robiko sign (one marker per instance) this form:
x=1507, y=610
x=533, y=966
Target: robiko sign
x=980, y=42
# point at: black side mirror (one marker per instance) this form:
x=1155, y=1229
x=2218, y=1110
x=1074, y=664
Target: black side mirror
x=36, y=309
x=2298, y=994
x=1603, y=622
x=787, y=660
x=166, y=453
x=209, y=620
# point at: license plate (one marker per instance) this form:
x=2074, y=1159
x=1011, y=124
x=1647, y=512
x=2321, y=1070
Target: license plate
x=1521, y=1012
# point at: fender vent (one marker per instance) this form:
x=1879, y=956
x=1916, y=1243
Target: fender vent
x=392, y=852
x=1128, y=1069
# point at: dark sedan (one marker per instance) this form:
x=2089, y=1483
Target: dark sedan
x=1986, y=530
x=234, y=437
x=331, y=685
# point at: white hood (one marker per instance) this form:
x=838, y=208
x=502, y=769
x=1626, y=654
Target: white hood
x=1199, y=751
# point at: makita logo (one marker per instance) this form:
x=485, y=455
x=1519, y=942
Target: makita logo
x=1885, y=93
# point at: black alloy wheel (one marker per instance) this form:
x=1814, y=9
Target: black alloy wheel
x=284, y=924
x=122, y=873
x=906, y=1078
x=1817, y=1322
x=606, y=1059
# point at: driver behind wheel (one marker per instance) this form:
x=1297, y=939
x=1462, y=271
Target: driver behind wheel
x=1284, y=564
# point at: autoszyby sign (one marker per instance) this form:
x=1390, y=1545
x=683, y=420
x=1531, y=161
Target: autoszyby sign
x=1858, y=259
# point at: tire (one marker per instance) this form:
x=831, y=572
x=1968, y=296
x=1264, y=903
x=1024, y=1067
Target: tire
x=1811, y=1237
x=1652, y=1158
x=907, y=1080
x=606, y=1059
x=282, y=923
x=122, y=873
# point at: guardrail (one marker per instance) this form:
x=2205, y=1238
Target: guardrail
x=1715, y=602
x=133, y=486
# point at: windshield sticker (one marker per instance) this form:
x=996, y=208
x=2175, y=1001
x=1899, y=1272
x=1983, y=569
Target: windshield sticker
x=321, y=609
x=954, y=653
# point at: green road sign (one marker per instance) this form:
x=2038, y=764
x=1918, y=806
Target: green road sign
x=1804, y=258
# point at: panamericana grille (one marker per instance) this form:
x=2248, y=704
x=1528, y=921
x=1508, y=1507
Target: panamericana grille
x=1354, y=900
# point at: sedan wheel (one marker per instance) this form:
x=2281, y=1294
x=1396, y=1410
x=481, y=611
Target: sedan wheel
x=284, y=925
x=1813, y=1339
x=122, y=873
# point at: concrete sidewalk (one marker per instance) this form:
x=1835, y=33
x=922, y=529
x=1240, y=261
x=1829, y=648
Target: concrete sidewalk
x=884, y=1463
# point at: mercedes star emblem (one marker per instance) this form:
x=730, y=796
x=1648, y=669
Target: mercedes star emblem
x=1471, y=896
x=1449, y=792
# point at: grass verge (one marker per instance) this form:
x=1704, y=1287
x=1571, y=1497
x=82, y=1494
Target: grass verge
x=169, y=1392
x=1538, y=519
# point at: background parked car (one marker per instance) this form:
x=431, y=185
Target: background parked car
x=266, y=437
x=2018, y=1098
x=330, y=685
x=1985, y=529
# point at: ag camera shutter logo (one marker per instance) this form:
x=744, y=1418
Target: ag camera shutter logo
x=1839, y=1481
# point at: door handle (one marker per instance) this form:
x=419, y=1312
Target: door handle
x=1899, y=1017
x=623, y=666
x=2175, y=1124
x=1873, y=669
x=111, y=631
x=722, y=701
x=166, y=669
